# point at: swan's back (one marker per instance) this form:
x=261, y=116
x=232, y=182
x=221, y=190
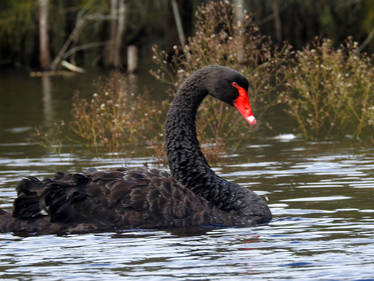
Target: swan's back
x=108, y=200
x=127, y=198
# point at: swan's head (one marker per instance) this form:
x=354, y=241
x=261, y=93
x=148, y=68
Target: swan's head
x=230, y=87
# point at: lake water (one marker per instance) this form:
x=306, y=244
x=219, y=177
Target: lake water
x=320, y=193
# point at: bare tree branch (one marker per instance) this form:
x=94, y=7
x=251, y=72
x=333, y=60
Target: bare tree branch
x=85, y=47
x=73, y=37
x=366, y=42
x=178, y=22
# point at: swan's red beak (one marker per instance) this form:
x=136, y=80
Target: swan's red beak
x=243, y=106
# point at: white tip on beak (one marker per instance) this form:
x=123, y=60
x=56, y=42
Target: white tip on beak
x=251, y=120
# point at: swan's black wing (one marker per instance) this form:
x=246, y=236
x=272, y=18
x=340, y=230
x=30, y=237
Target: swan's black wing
x=107, y=200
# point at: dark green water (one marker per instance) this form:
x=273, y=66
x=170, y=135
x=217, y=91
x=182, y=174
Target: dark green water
x=321, y=195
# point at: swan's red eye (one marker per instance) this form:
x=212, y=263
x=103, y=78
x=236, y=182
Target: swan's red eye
x=242, y=104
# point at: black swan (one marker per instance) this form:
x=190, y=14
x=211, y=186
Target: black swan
x=193, y=195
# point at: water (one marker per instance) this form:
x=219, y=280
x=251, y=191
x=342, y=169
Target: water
x=320, y=195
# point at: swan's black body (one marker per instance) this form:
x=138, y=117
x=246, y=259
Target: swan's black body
x=137, y=198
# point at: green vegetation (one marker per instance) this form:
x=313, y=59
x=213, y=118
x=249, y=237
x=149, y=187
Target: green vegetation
x=328, y=91
x=219, y=39
x=114, y=119
x=18, y=27
x=146, y=22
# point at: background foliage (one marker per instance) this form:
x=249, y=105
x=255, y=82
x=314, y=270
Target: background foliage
x=324, y=86
x=149, y=22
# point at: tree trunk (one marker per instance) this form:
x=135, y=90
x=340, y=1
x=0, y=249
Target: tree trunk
x=45, y=60
x=277, y=21
x=239, y=17
x=239, y=12
x=178, y=22
x=132, y=59
x=109, y=54
x=121, y=27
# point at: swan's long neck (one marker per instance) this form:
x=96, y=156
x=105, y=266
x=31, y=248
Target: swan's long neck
x=187, y=163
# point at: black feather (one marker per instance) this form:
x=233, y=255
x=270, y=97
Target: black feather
x=127, y=198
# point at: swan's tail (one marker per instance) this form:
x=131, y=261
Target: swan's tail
x=6, y=220
x=9, y=223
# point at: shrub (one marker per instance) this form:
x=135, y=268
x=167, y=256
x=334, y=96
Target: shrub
x=113, y=120
x=330, y=91
x=219, y=39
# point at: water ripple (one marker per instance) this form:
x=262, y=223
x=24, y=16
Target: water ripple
x=323, y=227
